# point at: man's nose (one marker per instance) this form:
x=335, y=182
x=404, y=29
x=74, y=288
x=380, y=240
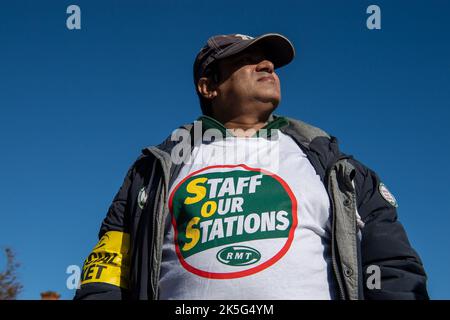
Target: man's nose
x=265, y=65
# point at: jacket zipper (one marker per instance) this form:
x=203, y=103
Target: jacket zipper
x=157, y=204
x=333, y=236
x=154, y=220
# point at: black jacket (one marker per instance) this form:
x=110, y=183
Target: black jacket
x=381, y=242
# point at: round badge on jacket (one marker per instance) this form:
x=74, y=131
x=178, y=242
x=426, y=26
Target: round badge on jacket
x=387, y=195
x=142, y=198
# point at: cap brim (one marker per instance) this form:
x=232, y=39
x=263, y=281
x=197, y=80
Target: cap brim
x=277, y=48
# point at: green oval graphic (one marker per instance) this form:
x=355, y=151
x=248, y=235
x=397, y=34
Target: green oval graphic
x=219, y=211
x=238, y=256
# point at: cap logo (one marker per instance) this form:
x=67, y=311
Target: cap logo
x=243, y=36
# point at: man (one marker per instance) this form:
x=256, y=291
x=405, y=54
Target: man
x=244, y=204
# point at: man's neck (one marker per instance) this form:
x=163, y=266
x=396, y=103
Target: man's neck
x=244, y=126
x=237, y=128
x=246, y=121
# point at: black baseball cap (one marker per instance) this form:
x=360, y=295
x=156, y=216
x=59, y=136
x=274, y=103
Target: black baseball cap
x=276, y=47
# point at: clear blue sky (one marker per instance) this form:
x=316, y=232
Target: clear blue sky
x=76, y=107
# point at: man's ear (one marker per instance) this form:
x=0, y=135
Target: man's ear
x=207, y=88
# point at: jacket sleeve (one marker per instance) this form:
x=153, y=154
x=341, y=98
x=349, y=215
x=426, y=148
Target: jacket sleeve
x=385, y=243
x=106, y=270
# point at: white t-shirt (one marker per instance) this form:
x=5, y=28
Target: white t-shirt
x=249, y=220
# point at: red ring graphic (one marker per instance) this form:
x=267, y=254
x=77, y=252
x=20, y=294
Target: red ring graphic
x=244, y=273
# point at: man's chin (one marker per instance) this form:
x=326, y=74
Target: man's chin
x=267, y=108
x=269, y=102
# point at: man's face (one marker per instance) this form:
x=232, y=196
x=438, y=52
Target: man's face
x=249, y=77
